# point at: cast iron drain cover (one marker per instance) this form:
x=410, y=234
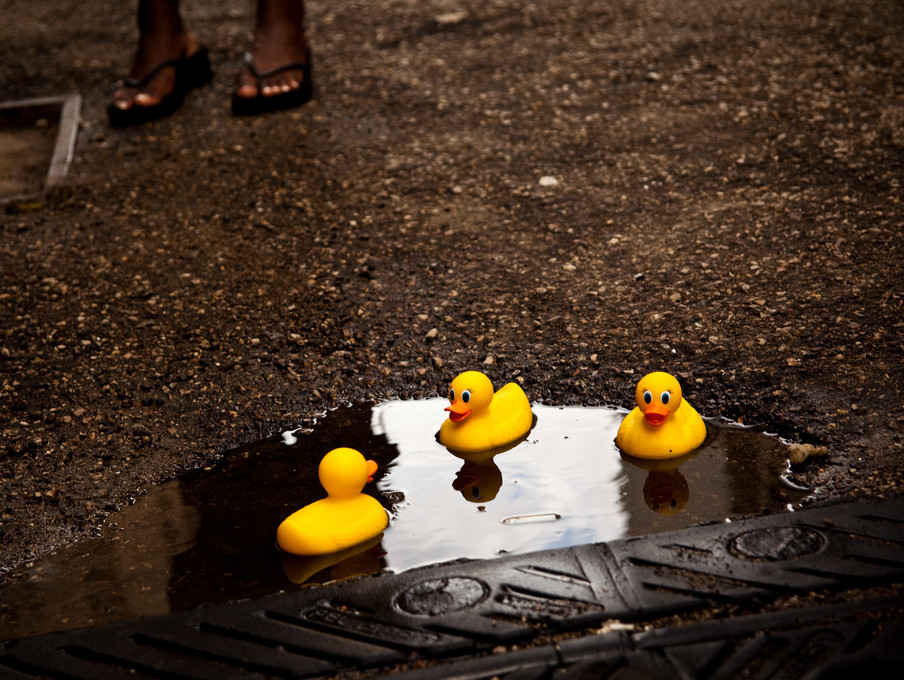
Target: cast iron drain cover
x=786, y=543
x=446, y=620
x=441, y=596
x=37, y=140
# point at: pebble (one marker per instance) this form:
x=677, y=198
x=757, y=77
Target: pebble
x=451, y=18
x=798, y=453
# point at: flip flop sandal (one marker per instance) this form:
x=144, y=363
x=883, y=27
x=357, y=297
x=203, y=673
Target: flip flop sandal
x=249, y=106
x=190, y=72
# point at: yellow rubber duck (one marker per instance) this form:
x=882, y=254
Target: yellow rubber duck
x=663, y=425
x=480, y=419
x=344, y=518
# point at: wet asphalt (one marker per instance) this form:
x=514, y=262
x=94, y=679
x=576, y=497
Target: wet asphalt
x=567, y=194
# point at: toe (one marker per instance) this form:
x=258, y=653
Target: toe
x=246, y=87
x=123, y=98
x=282, y=83
x=145, y=99
x=246, y=91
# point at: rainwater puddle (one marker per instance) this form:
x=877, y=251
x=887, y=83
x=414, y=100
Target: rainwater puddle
x=210, y=536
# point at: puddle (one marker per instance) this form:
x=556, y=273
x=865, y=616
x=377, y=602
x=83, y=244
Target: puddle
x=209, y=537
x=37, y=140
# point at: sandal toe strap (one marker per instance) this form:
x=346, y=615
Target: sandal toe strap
x=140, y=83
x=248, y=61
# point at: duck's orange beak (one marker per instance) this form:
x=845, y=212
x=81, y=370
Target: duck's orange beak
x=655, y=414
x=457, y=411
x=371, y=469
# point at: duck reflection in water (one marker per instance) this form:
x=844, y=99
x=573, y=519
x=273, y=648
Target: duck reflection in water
x=665, y=490
x=363, y=559
x=480, y=479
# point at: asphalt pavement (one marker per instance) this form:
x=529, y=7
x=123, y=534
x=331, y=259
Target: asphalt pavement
x=566, y=194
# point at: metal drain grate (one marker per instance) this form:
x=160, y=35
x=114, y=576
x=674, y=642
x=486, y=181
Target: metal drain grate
x=855, y=640
x=455, y=614
x=37, y=140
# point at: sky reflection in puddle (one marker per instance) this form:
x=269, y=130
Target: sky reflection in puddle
x=567, y=467
x=209, y=537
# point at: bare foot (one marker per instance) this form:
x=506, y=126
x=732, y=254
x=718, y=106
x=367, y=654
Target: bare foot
x=279, y=40
x=161, y=83
x=162, y=37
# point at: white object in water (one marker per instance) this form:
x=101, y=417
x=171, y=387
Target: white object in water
x=532, y=519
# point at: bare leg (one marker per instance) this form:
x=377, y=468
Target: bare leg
x=279, y=39
x=162, y=36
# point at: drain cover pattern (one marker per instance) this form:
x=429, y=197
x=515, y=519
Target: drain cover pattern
x=854, y=640
x=459, y=612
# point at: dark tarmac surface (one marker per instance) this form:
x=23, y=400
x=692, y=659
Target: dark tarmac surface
x=564, y=193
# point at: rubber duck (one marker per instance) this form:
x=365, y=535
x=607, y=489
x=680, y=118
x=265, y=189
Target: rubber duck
x=663, y=425
x=344, y=518
x=480, y=419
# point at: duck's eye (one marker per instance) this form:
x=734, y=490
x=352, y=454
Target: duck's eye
x=466, y=396
x=648, y=397
x=666, y=396
x=673, y=503
x=452, y=395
